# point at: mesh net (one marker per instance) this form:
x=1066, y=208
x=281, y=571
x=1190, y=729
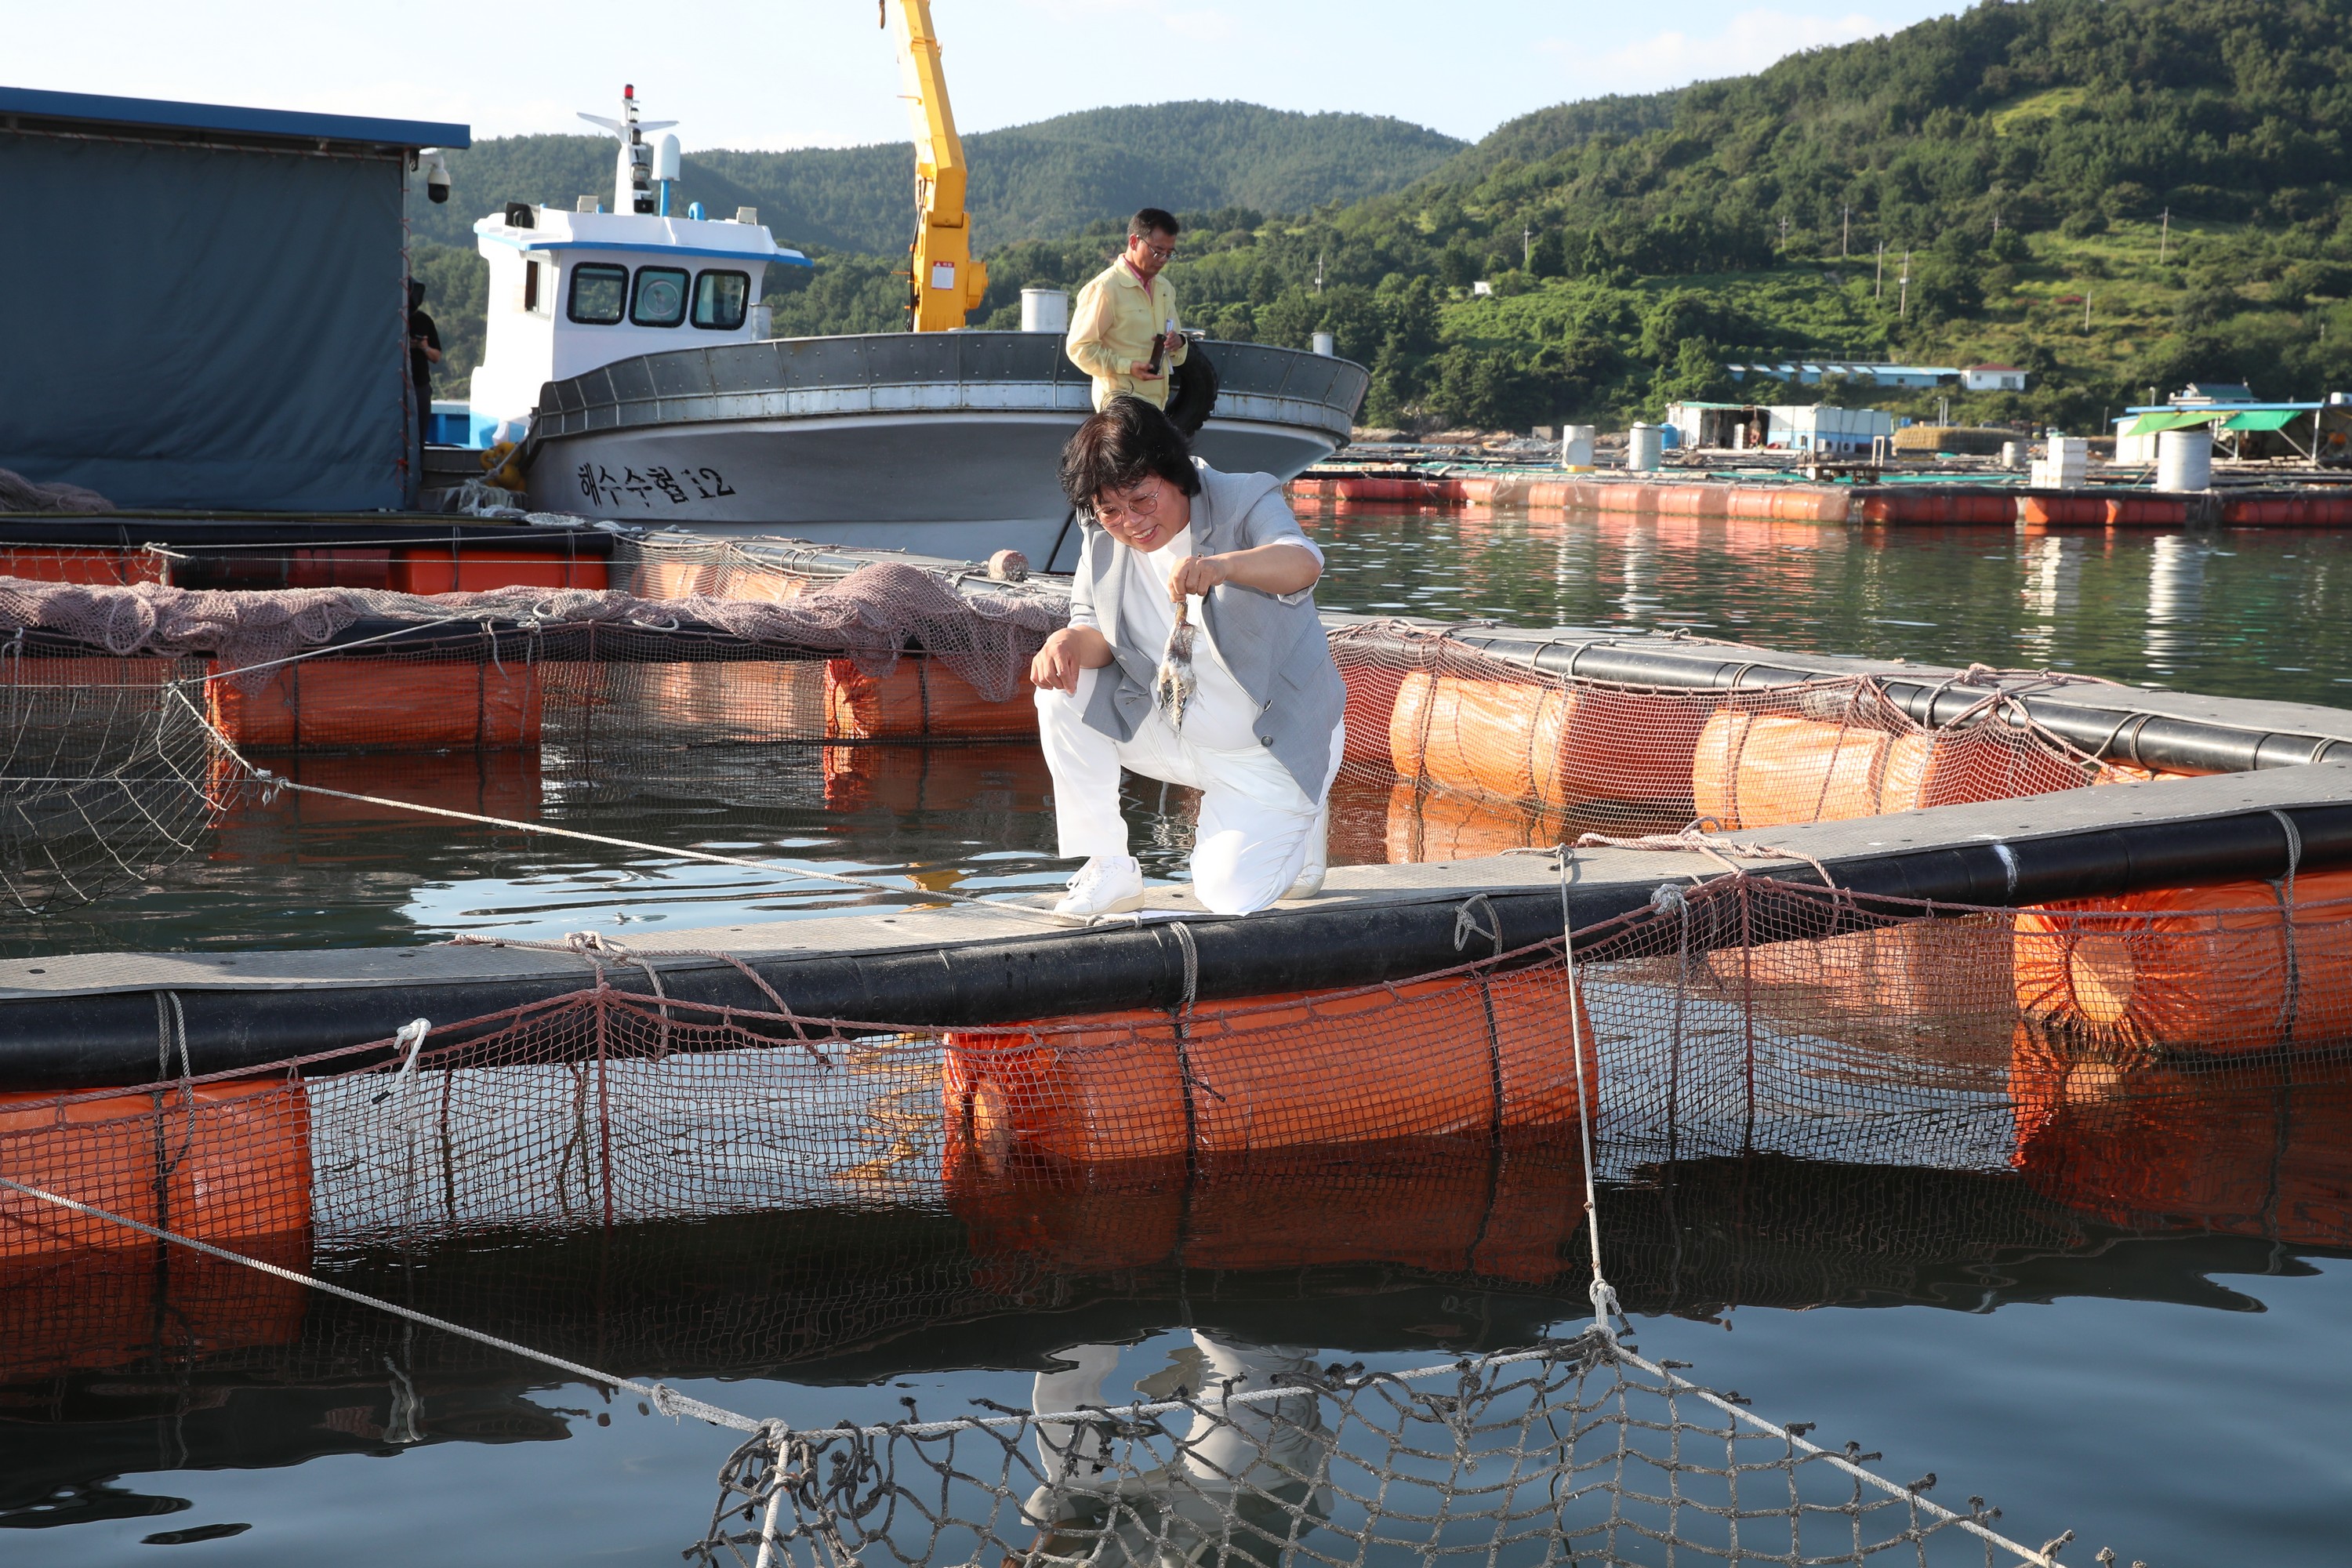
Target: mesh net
x=1579, y=1451
x=1430, y=1124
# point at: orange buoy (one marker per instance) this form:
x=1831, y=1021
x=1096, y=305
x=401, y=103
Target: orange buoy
x=2147, y=1147
x=216, y=1162
x=1544, y=743
x=1462, y=1054
x=1771, y=770
x=1426, y=826
x=443, y=569
x=93, y=564
x=921, y=697
x=2216, y=969
x=396, y=704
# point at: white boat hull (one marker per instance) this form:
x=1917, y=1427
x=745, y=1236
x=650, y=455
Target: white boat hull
x=943, y=445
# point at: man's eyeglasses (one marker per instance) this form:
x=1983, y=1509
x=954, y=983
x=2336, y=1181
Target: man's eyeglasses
x=1137, y=509
x=1162, y=251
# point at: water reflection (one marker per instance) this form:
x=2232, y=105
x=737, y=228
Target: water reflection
x=2176, y=601
x=2053, y=593
x=1238, y=1477
x=2233, y=606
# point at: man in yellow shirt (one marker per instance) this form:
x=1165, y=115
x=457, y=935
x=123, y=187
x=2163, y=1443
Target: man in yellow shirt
x=1124, y=310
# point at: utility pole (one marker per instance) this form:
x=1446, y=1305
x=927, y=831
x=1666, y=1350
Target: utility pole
x=2163, y=237
x=2087, y=308
x=1784, y=231
x=1319, y=272
x=1903, y=296
x=1845, y=233
x=1527, y=247
x=1878, y=289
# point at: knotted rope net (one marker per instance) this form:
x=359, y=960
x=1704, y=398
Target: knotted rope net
x=1573, y=1451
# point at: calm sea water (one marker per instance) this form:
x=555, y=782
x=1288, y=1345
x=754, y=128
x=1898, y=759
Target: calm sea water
x=2176, y=1394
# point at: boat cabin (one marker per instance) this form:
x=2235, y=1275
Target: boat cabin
x=570, y=291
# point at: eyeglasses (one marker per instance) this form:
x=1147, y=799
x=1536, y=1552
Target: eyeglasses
x=1162, y=251
x=1138, y=508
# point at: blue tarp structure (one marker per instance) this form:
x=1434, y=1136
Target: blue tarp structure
x=207, y=306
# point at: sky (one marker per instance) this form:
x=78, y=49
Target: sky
x=801, y=73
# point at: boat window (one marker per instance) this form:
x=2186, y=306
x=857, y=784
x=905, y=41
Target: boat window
x=598, y=292
x=720, y=299
x=530, y=285
x=661, y=297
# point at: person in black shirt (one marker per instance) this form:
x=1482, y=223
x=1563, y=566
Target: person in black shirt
x=424, y=354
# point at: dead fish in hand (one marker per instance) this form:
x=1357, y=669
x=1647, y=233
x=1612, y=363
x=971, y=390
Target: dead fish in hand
x=1171, y=688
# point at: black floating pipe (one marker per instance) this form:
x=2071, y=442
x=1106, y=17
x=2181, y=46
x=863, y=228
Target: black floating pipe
x=83, y=1041
x=2124, y=733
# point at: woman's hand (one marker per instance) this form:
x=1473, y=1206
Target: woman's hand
x=1268, y=568
x=1197, y=574
x=1065, y=653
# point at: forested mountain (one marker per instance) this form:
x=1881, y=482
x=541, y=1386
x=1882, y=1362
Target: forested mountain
x=2118, y=194
x=2025, y=156
x=1028, y=180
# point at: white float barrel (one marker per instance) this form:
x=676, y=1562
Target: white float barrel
x=1576, y=446
x=1645, y=448
x=1045, y=311
x=1325, y=344
x=2184, y=459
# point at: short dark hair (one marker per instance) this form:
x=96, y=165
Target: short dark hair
x=1147, y=219
x=1119, y=448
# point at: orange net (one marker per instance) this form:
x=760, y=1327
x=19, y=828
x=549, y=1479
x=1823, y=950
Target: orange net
x=1744, y=1015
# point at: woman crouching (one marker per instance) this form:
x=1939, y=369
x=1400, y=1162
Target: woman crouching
x=1258, y=733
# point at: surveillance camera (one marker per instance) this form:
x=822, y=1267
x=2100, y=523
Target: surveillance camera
x=436, y=173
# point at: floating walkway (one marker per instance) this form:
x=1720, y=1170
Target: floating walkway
x=88, y=1020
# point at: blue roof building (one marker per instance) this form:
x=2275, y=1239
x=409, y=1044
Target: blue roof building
x=221, y=301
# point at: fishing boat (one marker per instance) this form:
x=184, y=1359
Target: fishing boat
x=628, y=352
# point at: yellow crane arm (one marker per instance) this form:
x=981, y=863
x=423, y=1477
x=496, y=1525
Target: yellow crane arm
x=946, y=282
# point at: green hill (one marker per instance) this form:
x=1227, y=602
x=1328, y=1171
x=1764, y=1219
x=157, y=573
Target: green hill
x=2025, y=155
x=2177, y=166
x=1028, y=180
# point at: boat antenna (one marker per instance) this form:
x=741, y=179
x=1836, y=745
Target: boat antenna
x=632, y=171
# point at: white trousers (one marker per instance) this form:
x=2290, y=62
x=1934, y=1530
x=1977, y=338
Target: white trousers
x=1252, y=840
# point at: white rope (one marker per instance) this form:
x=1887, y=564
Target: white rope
x=411, y=1036
x=1604, y=1296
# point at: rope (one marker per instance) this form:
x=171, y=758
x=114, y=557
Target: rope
x=2291, y=1002
x=664, y=1398
x=1724, y=852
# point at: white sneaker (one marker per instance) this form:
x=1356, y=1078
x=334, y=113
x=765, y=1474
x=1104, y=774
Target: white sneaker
x=1106, y=885
x=1319, y=858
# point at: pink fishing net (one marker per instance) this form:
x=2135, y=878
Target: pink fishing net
x=985, y=634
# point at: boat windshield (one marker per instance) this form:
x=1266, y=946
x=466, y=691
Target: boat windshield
x=661, y=297
x=720, y=299
x=597, y=293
